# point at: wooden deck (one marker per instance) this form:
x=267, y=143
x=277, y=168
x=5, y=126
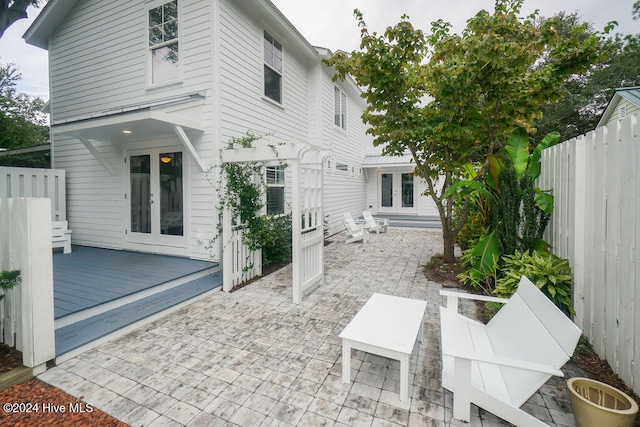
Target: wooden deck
x=98, y=291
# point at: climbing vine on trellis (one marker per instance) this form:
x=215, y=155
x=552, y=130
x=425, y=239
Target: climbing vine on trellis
x=241, y=188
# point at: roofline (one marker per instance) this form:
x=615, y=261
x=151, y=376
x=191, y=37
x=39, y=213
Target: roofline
x=47, y=22
x=615, y=99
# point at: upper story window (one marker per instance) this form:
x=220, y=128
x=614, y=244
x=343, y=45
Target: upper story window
x=272, y=68
x=163, y=42
x=275, y=189
x=340, y=108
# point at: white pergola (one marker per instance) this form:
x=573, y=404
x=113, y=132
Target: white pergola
x=305, y=162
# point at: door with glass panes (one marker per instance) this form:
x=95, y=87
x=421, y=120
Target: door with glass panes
x=156, y=197
x=396, y=192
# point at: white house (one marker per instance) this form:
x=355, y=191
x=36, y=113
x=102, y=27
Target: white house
x=144, y=94
x=624, y=103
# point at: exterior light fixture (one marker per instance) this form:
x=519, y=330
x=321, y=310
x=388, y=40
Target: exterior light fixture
x=127, y=132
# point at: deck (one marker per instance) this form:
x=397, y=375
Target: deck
x=98, y=291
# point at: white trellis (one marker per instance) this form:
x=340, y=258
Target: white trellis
x=306, y=163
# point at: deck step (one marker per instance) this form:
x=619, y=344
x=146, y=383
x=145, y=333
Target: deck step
x=77, y=334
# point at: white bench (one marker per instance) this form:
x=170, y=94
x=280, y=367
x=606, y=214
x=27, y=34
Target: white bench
x=61, y=236
x=499, y=366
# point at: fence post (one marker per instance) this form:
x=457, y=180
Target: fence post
x=30, y=236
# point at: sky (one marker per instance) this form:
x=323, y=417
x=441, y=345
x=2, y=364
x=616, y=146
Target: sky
x=331, y=24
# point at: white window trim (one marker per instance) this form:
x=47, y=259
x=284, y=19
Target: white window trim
x=343, y=108
x=149, y=53
x=280, y=170
x=281, y=73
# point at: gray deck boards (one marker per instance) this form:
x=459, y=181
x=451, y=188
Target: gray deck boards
x=88, y=277
x=80, y=333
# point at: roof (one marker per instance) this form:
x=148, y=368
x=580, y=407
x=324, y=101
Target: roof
x=631, y=94
x=47, y=22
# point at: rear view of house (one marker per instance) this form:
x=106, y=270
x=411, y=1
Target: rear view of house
x=144, y=94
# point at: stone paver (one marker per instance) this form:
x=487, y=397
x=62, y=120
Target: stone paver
x=253, y=358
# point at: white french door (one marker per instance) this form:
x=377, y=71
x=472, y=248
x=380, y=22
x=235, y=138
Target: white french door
x=156, y=197
x=396, y=192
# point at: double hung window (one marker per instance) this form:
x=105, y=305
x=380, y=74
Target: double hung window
x=340, y=108
x=275, y=189
x=272, y=68
x=163, y=42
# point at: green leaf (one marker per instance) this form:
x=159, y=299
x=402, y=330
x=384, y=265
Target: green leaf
x=496, y=165
x=488, y=252
x=465, y=188
x=544, y=201
x=548, y=141
x=518, y=149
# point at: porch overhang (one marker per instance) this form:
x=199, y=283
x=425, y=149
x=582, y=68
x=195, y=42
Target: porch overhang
x=130, y=126
x=378, y=161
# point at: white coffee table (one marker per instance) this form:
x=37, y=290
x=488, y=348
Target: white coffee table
x=387, y=326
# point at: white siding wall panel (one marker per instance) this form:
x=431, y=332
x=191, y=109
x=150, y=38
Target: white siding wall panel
x=98, y=63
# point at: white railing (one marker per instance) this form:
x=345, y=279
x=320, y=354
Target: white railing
x=40, y=183
x=27, y=309
x=596, y=225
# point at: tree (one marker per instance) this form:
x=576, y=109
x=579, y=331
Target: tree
x=12, y=11
x=588, y=95
x=22, y=122
x=479, y=85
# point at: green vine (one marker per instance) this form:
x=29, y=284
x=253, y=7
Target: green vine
x=241, y=188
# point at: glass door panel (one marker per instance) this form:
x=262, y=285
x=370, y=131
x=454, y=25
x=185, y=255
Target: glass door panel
x=171, y=194
x=407, y=190
x=140, y=181
x=156, y=198
x=386, y=180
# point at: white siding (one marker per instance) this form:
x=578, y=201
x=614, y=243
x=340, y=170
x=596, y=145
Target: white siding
x=99, y=56
x=343, y=191
x=99, y=62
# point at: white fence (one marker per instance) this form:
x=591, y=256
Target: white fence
x=239, y=263
x=26, y=311
x=596, y=225
x=41, y=183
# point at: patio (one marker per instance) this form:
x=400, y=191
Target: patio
x=253, y=358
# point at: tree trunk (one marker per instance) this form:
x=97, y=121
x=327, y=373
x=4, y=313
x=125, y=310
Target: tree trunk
x=449, y=240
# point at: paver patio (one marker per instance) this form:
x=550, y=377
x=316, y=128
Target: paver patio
x=253, y=358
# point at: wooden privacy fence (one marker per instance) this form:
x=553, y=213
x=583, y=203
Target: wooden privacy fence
x=40, y=183
x=596, y=226
x=26, y=311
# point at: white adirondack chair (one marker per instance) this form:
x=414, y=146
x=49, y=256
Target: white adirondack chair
x=372, y=224
x=355, y=232
x=61, y=236
x=499, y=366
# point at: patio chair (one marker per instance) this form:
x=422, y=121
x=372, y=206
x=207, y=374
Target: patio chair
x=61, y=236
x=499, y=366
x=355, y=232
x=372, y=224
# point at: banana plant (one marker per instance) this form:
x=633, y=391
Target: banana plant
x=528, y=166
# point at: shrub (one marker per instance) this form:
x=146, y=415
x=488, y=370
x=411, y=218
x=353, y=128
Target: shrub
x=551, y=274
x=276, y=239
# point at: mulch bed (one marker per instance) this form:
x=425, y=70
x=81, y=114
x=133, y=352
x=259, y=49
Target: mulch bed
x=9, y=358
x=36, y=403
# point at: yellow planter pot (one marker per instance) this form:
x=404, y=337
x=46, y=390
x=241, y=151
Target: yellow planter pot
x=596, y=404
